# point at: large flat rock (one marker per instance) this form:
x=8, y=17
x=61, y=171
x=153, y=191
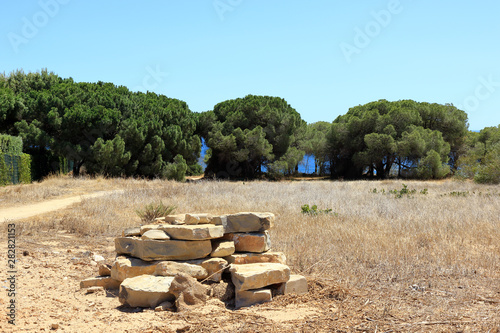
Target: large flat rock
x=250, y=242
x=155, y=234
x=172, y=268
x=146, y=291
x=151, y=250
x=128, y=267
x=251, y=297
x=246, y=222
x=174, y=219
x=129, y=232
x=253, y=258
x=198, y=218
x=193, y=232
x=297, y=284
x=256, y=276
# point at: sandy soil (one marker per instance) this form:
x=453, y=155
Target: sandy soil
x=50, y=266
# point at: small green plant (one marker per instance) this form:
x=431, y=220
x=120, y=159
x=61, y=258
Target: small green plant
x=313, y=210
x=404, y=191
x=459, y=194
x=153, y=211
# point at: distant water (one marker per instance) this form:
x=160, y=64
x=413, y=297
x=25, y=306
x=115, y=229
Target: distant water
x=306, y=166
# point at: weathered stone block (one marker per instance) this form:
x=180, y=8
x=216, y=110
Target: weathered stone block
x=188, y=292
x=253, y=258
x=193, y=232
x=250, y=242
x=150, y=250
x=172, y=268
x=222, y=248
x=297, y=284
x=155, y=234
x=102, y=281
x=175, y=219
x=148, y=227
x=251, y=297
x=247, y=222
x=146, y=291
x=198, y=219
x=127, y=267
x=104, y=270
x=214, y=266
x=129, y=232
x=255, y=276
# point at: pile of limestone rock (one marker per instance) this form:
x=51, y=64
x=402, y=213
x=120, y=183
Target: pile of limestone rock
x=181, y=260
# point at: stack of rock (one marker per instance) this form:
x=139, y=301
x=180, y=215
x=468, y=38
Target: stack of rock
x=153, y=259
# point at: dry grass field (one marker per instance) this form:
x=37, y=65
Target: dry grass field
x=425, y=261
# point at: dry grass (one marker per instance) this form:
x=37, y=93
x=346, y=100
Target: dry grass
x=429, y=262
x=374, y=236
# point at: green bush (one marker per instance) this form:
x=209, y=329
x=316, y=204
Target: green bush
x=177, y=169
x=313, y=210
x=4, y=171
x=11, y=145
x=25, y=169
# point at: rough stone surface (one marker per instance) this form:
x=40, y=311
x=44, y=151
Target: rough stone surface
x=150, y=250
x=251, y=297
x=214, y=266
x=253, y=258
x=250, y=242
x=193, y=232
x=146, y=291
x=222, y=248
x=106, y=282
x=198, y=218
x=188, y=292
x=175, y=219
x=297, y=284
x=155, y=234
x=148, y=227
x=129, y=232
x=255, y=276
x=104, y=270
x=128, y=267
x=172, y=268
x=247, y=222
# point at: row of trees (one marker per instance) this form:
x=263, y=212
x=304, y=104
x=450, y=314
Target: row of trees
x=110, y=130
x=105, y=128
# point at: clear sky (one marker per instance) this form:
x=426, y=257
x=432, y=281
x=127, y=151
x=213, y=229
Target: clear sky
x=322, y=56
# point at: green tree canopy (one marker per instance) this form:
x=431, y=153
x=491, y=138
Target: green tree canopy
x=481, y=159
x=373, y=138
x=249, y=133
x=100, y=126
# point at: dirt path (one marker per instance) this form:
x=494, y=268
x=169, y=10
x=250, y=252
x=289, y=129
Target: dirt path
x=25, y=211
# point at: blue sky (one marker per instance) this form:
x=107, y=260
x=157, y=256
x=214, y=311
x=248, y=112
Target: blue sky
x=323, y=57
